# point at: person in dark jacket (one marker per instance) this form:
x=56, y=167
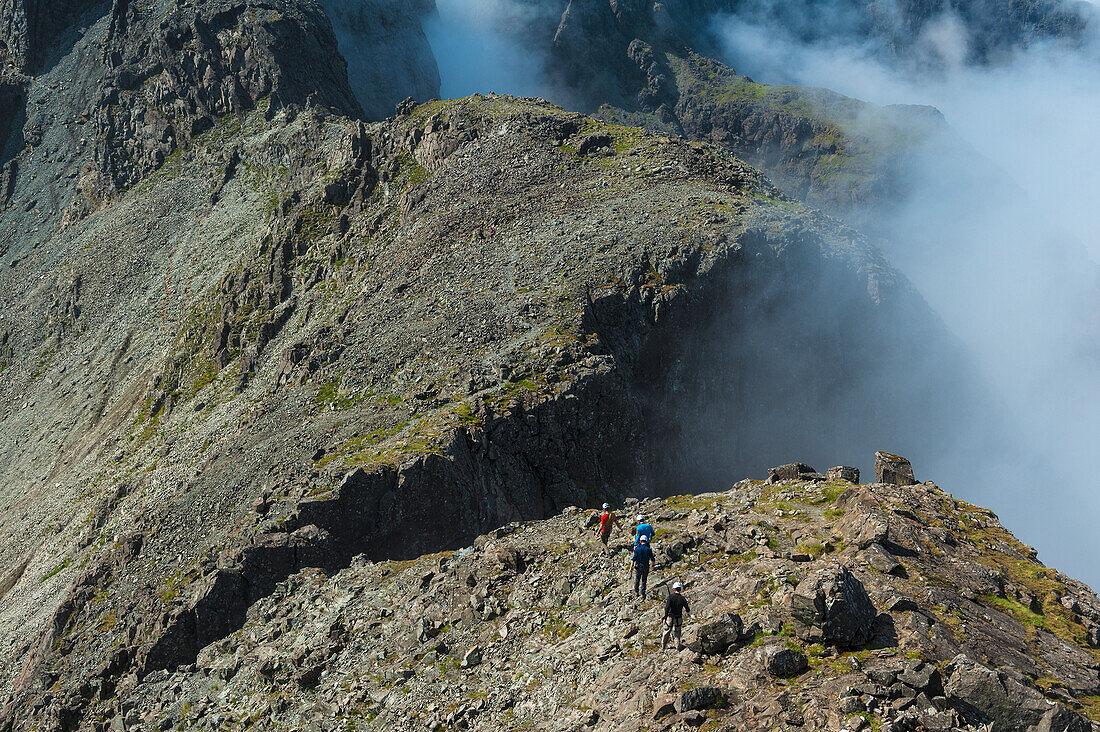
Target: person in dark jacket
x=641, y=563
x=675, y=607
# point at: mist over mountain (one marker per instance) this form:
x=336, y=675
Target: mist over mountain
x=387, y=52
x=1008, y=262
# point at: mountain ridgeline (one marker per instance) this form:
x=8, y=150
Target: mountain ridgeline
x=273, y=348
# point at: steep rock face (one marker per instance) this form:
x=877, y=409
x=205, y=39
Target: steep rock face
x=12, y=99
x=170, y=76
x=128, y=86
x=388, y=55
x=31, y=29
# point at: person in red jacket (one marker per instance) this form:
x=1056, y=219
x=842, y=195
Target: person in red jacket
x=608, y=520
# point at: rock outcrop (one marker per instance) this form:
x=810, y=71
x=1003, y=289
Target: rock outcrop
x=843, y=472
x=169, y=77
x=832, y=607
x=791, y=471
x=893, y=469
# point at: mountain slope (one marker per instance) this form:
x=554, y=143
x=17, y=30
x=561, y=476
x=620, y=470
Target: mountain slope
x=494, y=308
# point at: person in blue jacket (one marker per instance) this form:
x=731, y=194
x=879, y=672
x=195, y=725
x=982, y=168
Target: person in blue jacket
x=641, y=563
x=642, y=529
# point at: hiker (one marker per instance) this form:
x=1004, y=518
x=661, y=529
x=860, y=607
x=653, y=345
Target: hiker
x=641, y=563
x=607, y=521
x=642, y=529
x=675, y=607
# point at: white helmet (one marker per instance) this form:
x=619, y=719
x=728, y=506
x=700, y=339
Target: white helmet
x=641, y=518
x=606, y=506
x=677, y=586
x=643, y=539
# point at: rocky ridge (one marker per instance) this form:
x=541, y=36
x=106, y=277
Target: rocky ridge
x=817, y=603
x=836, y=153
x=432, y=300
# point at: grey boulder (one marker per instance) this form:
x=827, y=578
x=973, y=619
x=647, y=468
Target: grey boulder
x=893, y=469
x=702, y=697
x=843, y=472
x=719, y=636
x=782, y=661
x=832, y=606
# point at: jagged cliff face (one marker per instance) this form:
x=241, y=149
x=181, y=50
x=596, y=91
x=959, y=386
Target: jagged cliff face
x=119, y=99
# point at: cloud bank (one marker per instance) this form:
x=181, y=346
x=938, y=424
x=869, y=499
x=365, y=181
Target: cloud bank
x=1009, y=263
